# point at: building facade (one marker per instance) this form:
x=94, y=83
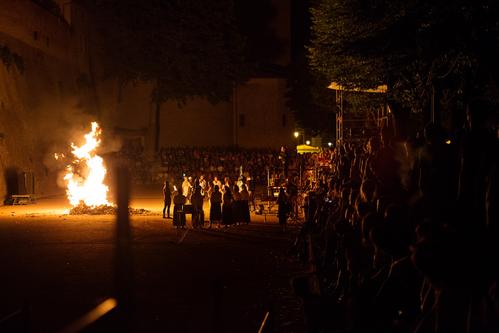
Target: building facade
x=49, y=100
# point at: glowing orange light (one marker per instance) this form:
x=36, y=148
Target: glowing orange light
x=448, y=142
x=85, y=175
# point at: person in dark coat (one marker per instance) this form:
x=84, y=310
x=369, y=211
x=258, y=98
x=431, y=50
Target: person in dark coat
x=283, y=208
x=215, y=206
x=250, y=184
x=179, y=201
x=244, y=198
x=236, y=205
x=167, y=198
x=227, y=214
x=197, y=208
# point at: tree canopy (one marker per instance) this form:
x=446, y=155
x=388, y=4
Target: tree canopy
x=413, y=46
x=308, y=97
x=185, y=48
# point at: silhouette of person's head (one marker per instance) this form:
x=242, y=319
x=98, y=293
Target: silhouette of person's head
x=281, y=191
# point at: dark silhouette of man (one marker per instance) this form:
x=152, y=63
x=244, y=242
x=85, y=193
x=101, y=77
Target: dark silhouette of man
x=167, y=198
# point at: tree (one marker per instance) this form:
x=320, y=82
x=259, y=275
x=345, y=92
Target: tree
x=185, y=48
x=419, y=48
x=308, y=97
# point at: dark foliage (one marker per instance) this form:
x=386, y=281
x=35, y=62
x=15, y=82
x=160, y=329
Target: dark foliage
x=413, y=46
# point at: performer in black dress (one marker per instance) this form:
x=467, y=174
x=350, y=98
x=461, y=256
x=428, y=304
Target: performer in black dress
x=215, y=206
x=227, y=217
x=197, y=208
x=283, y=210
x=179, y=201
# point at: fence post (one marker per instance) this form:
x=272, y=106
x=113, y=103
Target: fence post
x=123, y=252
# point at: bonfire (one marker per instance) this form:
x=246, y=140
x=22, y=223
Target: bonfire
x=85, y=175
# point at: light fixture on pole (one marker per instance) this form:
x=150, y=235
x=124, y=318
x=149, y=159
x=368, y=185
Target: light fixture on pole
x=297, y=134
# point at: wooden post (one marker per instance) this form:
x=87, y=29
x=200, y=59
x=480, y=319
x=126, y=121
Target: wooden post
x=123, y=252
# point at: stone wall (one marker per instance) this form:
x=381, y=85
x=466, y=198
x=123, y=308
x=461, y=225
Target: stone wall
x=62, y=89
x=38, y=106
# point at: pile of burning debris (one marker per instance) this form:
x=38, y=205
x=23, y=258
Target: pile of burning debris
x=85, y=175
x=83, y=209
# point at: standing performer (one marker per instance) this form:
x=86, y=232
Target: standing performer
x=236, y=206
x=282, y=211
x=250, y=184
x=227, y=215
x=203, y=184
x=215, y=206
x=179, y=201
x=197, y=208
x=186, y=187
x=167, y=198
x=217, y=182
x=244, y=205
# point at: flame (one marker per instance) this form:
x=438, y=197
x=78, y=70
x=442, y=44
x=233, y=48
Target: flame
x=85, y=175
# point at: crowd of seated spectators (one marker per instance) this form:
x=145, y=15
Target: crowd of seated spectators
x=221, y=162
x=403, y=236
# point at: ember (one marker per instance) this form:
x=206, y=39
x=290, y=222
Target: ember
x=83, y=209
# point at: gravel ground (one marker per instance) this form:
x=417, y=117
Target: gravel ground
x=62, y=266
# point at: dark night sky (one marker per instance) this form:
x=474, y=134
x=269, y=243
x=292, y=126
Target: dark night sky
x=264, y=45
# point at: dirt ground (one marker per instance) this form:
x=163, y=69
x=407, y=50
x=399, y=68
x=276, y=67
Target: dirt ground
x=62, y=266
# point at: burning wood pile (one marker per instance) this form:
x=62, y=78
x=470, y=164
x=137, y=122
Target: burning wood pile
x=83, y=209
x=84, y=177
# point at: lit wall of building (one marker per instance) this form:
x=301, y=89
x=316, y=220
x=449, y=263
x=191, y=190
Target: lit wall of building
x=255, y=117
x=41, y=104
x=263, y=120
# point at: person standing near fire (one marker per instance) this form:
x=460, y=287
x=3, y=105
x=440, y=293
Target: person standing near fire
x=283, y=208
x=186, y=188
x=215, y=206
x=244, y=198
x=167, y=198
x=197, y=205
x=179, y=201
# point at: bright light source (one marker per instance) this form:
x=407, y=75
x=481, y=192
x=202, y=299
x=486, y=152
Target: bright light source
x=448, y=142
x=296, y=134
x=329, y=144
x=85, y=175
x=307, y=142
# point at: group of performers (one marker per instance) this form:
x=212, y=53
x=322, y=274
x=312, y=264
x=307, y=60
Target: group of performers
x=229, y=203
